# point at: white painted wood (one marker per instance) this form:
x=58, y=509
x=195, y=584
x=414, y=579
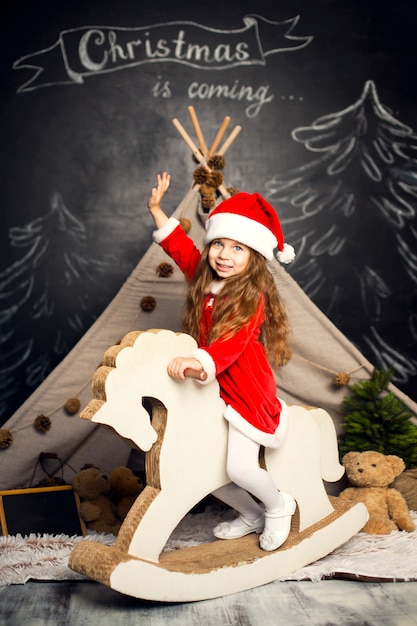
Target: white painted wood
x=297, y=465
x=159, y=584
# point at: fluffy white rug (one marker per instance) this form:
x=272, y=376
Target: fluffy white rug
x=378, y=557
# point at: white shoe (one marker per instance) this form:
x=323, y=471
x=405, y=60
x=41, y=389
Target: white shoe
x=238, y=527
x=273, y=539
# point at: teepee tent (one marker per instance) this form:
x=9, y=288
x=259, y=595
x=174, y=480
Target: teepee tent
x=320, y=352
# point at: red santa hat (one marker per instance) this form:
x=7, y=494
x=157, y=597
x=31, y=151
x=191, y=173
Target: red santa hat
x=251, y=220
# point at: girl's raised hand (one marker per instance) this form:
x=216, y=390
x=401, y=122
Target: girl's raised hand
x=158, y=192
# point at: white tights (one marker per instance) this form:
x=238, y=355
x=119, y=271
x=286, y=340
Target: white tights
x=246, y=475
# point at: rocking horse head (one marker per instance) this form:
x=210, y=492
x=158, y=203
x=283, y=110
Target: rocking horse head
x=133, y=381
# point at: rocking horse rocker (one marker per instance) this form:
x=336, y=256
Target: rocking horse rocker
x=180, y=426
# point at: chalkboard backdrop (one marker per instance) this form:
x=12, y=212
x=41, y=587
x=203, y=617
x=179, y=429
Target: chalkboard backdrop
x=325, y=94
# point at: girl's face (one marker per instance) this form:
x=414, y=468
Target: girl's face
x=228, y=257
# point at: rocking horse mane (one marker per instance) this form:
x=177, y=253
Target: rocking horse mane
x=107, y=365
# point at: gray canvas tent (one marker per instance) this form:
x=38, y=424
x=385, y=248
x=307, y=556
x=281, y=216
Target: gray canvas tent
x=320, y=352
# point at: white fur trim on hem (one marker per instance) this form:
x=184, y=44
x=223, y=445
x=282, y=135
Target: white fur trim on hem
x=165, y=230
x=269, y=440
x=208, y=365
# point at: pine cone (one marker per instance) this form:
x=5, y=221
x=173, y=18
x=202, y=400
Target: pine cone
x=148, y=304
x=208, y=202
x=6, y=438
x=42, y=423
x=72, y=406
x=341, y=380
x=185, y=223
x=207, y=190
x=232, y=190
x=164, y=269
x=215, y=179
x=217, y=162
x=201, y=175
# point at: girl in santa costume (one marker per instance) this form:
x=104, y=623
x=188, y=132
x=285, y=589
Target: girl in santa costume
x=238, y=320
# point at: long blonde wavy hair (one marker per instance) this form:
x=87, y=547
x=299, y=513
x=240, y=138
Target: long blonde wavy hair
x=237, y=305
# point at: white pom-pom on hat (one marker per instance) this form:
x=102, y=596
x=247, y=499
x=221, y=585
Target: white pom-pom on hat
x=251, y=220
x=286, y=255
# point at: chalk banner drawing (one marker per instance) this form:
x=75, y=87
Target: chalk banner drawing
x=91, y=50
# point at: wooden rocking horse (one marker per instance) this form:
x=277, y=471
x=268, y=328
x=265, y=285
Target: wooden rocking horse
x=180, y=426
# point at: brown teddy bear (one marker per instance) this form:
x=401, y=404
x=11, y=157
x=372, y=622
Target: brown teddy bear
x=370, y=473
x=96, y=509
x=125, y=488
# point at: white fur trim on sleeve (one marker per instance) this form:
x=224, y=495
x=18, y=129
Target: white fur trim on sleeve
x=208, y=365
x=165, y=230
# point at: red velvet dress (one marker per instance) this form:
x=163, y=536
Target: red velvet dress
x=247, y=383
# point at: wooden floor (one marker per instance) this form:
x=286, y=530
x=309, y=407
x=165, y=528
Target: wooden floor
x=326, y=603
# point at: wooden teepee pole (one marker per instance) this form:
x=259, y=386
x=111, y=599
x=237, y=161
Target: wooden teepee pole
x=190, y=143
x=218, y=137
x=230, y=140
x=197, y=130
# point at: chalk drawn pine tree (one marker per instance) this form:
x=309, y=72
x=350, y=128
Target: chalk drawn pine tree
x=47, y=301
x=351, y=214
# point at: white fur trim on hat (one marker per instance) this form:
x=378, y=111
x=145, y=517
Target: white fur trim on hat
x=242, y=229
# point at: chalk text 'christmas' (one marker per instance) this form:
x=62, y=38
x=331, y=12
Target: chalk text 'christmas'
x=99, y=49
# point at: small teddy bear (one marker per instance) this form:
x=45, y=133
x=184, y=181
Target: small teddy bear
x=370, y=473
x=96, y=509
x=125, y=488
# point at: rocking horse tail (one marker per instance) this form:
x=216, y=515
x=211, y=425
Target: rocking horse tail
x=331, y=469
